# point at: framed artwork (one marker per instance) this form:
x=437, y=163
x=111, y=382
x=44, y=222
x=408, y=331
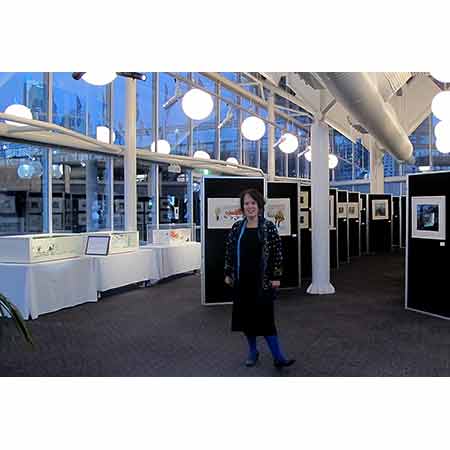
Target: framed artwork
x=331, y=223
x=57, y=222
x=82, y=204
x=304, y=219
x=304, y=199
x=342, y=210
x=7, y=204
x=278, y=211
x=34, y=205
x=34, y=222
x=82, y=220
x=353, y=210
x=140, y=219
x=57, y=205
x=119, y=206
x=97, y=245
x=428, y=217
x=223, y=212
x=140, y=207
x=380, y=209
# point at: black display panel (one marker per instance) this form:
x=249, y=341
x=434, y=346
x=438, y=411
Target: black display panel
x=427, y=259
x=364, y=226
x=214, y=289
x=290, y=243
x=343, y=249
x=380, y=223
x=305, y=232
x=396, y=221
x=334, y=255
x=354, y=224
x=403, y=220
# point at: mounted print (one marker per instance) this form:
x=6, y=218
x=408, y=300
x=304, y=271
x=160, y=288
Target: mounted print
x=223, y=212
x=34, y=205
x=380, y=209
x=342, y=210
x=304, y=219
x=7, y=204
x=57, y=205
x=304, y=199
x=353, y=210
x=428, y=217
x=278, y=211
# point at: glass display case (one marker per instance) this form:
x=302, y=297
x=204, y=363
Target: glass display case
x=121, y=241
x=40, y=247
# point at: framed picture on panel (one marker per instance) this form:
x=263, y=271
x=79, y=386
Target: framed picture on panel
x=304, y=199
x=342, y=210
x=353, y=210
x=428, y=217
x=380, y=209
x=304, y=219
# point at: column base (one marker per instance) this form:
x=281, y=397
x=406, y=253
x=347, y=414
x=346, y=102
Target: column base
x=316, y=289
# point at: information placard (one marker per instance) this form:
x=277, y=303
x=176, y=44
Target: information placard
x=98, y=245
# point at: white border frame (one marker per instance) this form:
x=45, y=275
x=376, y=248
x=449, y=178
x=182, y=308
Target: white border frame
x=438, y=200
x=386, y=203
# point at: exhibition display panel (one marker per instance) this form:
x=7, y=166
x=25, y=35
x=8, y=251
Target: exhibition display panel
x=395, y=221
x=354, y=224
x=364, y=228
x=305, y=231
x=282, y=209
x=403, y=220
x=220, y=210
x=380, y=222
x=342, y=223
x=427, y=250
x=334, y=253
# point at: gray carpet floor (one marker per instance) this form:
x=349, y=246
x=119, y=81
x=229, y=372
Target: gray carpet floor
x=163, y=330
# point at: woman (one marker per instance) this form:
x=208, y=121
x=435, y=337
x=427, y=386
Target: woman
x=253, y=268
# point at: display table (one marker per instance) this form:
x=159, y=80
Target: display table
x=45, y=287
x=177, y=259
x=122, y=269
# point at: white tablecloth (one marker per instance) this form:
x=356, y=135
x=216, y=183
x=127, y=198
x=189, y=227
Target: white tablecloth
x=45, y=287
x=122, y=269
x=177, y=259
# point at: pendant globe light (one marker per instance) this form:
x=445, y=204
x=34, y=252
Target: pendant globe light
x=37, y=168
x=443, y=145
x=332, y=161
x=308, y=154
x=57, y=170
x=440, y=106
x=200, y=154
x=443, y=76
x=163, y=147
x=25, y=170
x=19, y=111
x=442, y=130
x=99, y=78
x=197, y=104
x=102, y=134
x=232, y=160
x=288, y=143
x=253, y=128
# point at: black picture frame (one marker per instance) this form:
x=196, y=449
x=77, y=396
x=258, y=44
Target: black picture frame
x=107, y=240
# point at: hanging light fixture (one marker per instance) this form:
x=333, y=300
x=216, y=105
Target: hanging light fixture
x=442, y=130
x=232, y=160
x=443, y=76
x=99, y=78
x=308, y=154
x=25, y=170
x=102, y=134
x=200, y=154
x=253, y=128
x=443, y=145
x=37, y=168
x=197, y=104
x=163, y=147
x=19, y=111
x=332, y=161
x=288, y=143
x=57, y=170
x=440, y=106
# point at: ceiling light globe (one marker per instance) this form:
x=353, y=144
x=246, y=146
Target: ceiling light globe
x=163, y=147
x=253, y=128
x=197, y=104
x=19, y=111
x=99, y=78
x=289, y=143
x=440, y=106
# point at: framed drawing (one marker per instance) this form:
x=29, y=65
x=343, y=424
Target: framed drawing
x=380, y=209
x=223, y=212
x=304, y=219
x=34, y=205
x=82, y=221
x=140, y=207
x=7, y=204
x=57, y=222
x=304, y=199
x=331, y=223
x=278, y=211
x=342, y=210
x=353, y=210
x=428, y=217
x=82, y=204
x=119, y=206
x=57, y=205
x=34, y=223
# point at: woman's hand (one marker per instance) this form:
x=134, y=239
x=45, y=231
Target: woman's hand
x=228, y=281
x=275, y=284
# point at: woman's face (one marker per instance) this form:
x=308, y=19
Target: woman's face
x=251, y=209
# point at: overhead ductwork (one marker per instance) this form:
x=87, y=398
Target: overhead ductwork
x=359, y=94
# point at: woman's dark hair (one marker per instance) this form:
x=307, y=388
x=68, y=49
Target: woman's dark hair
x=255, y=195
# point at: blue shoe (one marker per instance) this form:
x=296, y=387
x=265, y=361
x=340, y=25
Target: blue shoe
x=252, y=361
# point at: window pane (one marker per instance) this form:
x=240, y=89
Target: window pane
x=144, y=112
x=145, y=199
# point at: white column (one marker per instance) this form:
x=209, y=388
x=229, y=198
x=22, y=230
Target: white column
x=270, y=137
x=130, y=156
x=320, y=191
x=376, y=168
